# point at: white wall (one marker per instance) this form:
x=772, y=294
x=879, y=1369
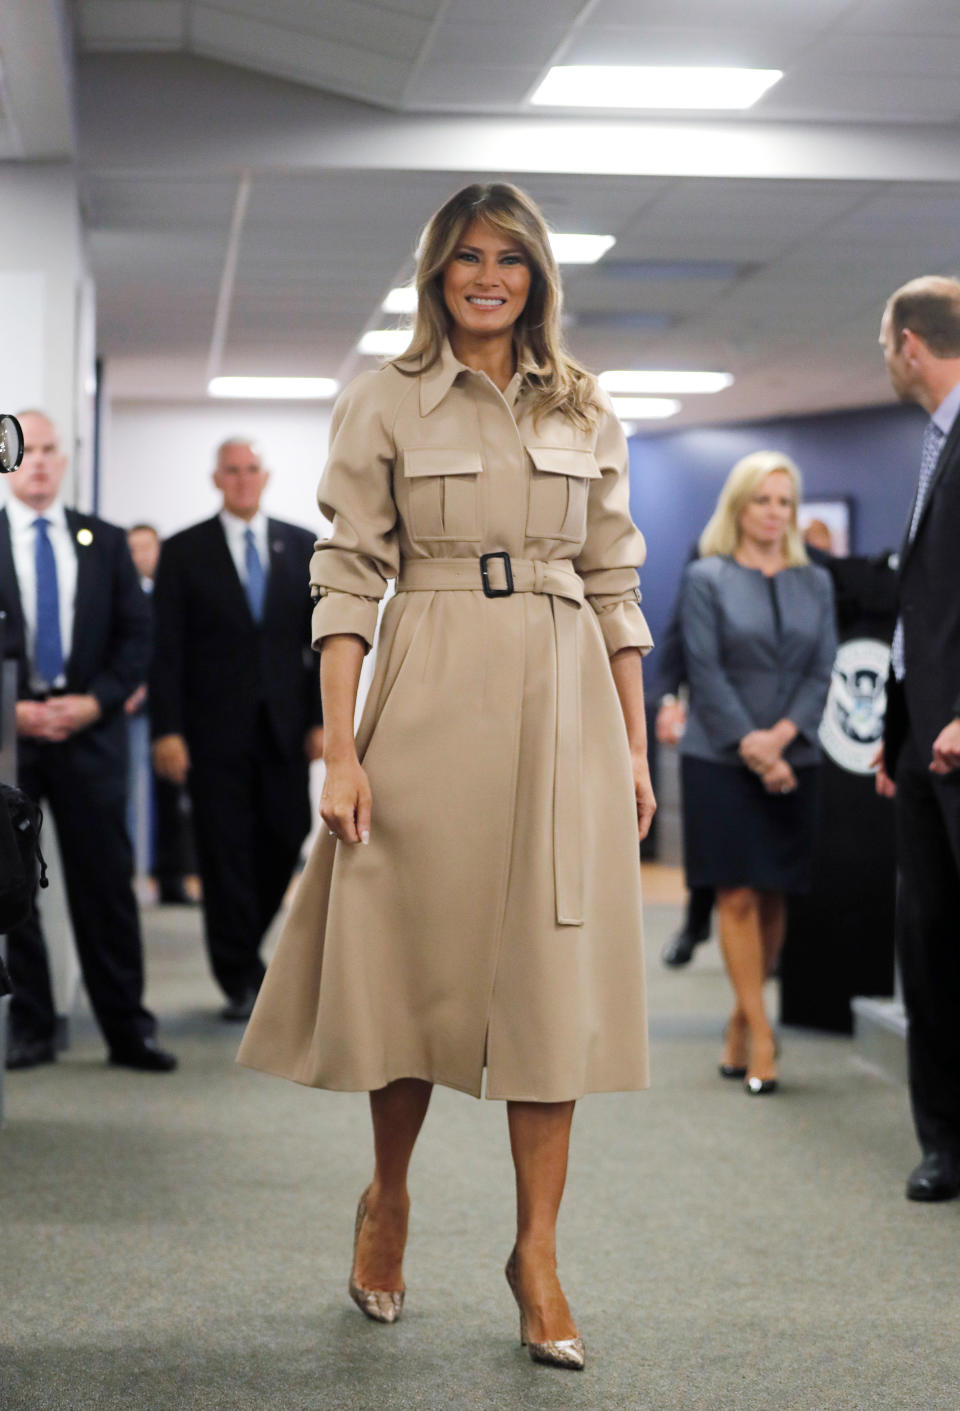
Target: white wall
x=47, y=307
x=157, y=459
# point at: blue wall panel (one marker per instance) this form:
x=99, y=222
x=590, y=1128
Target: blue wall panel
x=871, y=456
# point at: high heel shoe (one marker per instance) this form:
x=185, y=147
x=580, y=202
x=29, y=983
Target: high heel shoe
x=382, y=1305
x=761, y=1087
x=564, y=1352
x=731, y=1070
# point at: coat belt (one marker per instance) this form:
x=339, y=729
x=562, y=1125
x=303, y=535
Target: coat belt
x=559, y=580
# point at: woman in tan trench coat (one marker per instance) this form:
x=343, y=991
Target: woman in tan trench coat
x=490, y=916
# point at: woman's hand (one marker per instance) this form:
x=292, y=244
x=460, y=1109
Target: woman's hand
x=779, y=778
x=643, y=789
x=346, y=801
x=760, y=750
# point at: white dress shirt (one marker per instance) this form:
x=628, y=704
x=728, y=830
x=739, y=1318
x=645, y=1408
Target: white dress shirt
x=236, y=532
x=23, y=541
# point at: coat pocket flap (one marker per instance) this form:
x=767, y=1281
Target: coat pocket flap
x=565, y=460
x=438, y=461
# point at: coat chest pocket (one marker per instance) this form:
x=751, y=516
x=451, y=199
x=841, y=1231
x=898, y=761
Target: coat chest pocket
x=442, y=493
x=559, y=484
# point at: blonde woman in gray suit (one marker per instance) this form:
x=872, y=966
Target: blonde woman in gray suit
x=759, y=639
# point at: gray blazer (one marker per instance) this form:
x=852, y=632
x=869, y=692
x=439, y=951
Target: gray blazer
x=757, y=649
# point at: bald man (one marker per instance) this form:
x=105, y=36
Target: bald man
x=920, y=760
x=79, y=627
x=235, y=708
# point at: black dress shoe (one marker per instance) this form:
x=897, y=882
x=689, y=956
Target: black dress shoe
x=679, y=949
x=30, y=1053
x=145, y=1056
x=936, y=1178
x=239, y=1007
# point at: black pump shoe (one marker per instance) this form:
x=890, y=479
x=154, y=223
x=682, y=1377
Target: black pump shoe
x=731, y=1070
x=759, y=1087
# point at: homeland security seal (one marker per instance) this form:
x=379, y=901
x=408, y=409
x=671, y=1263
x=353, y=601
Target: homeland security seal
x=852, y=726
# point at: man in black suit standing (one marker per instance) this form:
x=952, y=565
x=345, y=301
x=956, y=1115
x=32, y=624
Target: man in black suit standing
x=235, y=709
x=79, y=626
x=920, y=761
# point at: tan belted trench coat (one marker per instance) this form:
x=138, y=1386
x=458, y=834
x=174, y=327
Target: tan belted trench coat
x=494, y=917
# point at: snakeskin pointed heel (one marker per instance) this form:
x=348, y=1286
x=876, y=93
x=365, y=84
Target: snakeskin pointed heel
x=381, y=1305
x=564, y=1352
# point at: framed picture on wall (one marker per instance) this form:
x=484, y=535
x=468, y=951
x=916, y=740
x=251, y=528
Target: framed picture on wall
x=827, y=523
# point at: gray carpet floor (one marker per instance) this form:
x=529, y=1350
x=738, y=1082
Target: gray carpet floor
x=182, y=1243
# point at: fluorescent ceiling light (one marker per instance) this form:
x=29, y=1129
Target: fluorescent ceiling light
x=678, y=382
x=645, y=408
x=579, y=249
x=385, y=342
x=638, y=86
x=401, y=301
x=284, y=388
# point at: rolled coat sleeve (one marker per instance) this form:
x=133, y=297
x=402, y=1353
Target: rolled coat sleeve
x=613, y=549
x=806, y=707
x=349, y=570
x=724, y=716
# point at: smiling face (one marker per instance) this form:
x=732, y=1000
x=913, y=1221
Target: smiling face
x=241, y=479
x=486, y=282
x=769, y=511
x=40, y=475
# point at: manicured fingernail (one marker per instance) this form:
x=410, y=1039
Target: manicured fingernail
x=364, y=837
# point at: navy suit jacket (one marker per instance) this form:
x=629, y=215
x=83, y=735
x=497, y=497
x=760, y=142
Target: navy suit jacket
x=214, y=668
x=929, y=602
x=110, y=653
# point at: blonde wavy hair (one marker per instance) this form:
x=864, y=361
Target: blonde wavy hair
x=722, y=534
x=553, y=379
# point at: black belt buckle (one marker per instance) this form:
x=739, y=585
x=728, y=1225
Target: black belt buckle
x=488, y=591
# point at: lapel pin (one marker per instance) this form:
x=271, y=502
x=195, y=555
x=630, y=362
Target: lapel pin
x=84, y=537
x=278, y=546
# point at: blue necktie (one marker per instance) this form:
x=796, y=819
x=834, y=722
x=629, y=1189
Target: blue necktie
x=48, y=647
x=256, y=580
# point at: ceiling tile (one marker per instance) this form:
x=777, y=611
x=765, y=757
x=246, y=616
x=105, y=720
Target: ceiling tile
x=736, y=14
x=480, y=86
x=341, y=68
x=134, y=24
x=357, y=25
x=645, y=44
x=492, y=42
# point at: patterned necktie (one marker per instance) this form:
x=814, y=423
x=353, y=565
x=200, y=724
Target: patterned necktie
x=256, y=581
x=933, y=439
x=48, y=646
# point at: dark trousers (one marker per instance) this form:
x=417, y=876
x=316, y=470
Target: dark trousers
x=83, y=782
x=928, y=944
x=251, y=813
x=174, y=852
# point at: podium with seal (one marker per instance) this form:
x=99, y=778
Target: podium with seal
x=840, y=936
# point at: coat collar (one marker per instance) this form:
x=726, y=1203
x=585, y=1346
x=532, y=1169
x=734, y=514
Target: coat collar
x=436, y=382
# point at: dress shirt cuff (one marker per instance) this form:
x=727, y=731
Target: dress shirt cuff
x=337, y=613
x=622, y=623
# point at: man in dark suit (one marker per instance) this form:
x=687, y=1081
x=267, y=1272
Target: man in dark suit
x=235, y=709
x=920, y=761
x=173, y=851
x=79, y=627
